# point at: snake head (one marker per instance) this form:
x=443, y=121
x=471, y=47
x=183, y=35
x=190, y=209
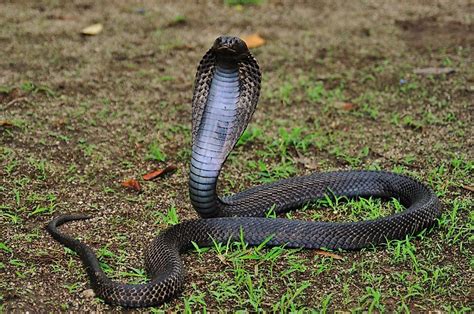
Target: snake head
x=228, y=48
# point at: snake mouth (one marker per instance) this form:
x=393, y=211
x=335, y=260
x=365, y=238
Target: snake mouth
x=226, y=49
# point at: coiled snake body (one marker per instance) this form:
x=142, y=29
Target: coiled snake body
x=225, y=96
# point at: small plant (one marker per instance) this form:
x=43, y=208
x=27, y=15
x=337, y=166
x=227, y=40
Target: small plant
x=293, y=138
x=5, y=248
x=285, y=92
x=267, y=174
x=87, y=149
x=71, y=288
x=155, y=152
x=249, y=136
x=407, y=87
x=31, y=87
x=316, y=93
x=179, y=19
x=138, y=275
x=170, y=218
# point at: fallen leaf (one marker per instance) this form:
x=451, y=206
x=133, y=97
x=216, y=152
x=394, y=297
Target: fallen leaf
x=222, y=259
x=92, y=30
x=329, y=254
x=347, y=106
x=469, y=188
x=6, y=123
x=132, y=184
x=433, y=71
x=254, y=40
x=158, y=173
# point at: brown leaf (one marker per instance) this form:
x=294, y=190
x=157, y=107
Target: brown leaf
x=92, y=30
x=6, y=123
x=253, y=40
x=132, y=184
x=158, y=173
x=468, y=187
x=347, y=106
x=328, y=254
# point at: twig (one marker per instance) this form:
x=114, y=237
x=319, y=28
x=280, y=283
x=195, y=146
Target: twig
x=14, y=101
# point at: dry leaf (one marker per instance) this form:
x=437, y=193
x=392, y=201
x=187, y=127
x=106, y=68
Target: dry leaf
x=328, y=254
x=469, y=188
x=434, y=71
x=347, y=106
x=92, y=30
x=222, y=259
x=158, y=173
x=132, y=184
x=6, y=123
x=254, y=40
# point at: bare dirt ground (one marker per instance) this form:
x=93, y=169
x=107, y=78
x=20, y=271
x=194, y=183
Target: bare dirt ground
x=80, y=114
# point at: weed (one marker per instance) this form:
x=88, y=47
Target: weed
x=249, y=135
x=316, y=93
x=170, y=218
x=155, y=153
x=33, y=88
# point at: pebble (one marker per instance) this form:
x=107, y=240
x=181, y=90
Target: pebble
x=89, y=293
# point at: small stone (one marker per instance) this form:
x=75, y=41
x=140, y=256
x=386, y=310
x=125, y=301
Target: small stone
x=88, y=294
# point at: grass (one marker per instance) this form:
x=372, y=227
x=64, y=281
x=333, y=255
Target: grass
x=81, y=114
x=243, y=2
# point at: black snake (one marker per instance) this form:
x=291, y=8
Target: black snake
x=225, y=96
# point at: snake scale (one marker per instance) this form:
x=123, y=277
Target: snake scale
x=226, y=93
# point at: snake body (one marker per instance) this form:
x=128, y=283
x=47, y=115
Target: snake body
x=225, y=96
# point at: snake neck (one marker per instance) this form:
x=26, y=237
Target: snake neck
x=209, y=147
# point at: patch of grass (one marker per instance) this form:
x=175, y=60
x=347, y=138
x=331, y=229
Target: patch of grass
x=5, y=248
x=243, y=2
x=155, y=152
x=31, y=87
x=169, y=218
x=249, y=135
x=293, y=138
x=270, y=173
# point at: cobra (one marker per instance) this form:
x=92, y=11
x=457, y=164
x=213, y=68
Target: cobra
x=226, y=93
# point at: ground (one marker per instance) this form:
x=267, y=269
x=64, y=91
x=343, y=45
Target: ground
x=80, y=114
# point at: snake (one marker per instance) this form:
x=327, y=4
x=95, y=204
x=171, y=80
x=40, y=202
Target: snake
x=226, y=92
